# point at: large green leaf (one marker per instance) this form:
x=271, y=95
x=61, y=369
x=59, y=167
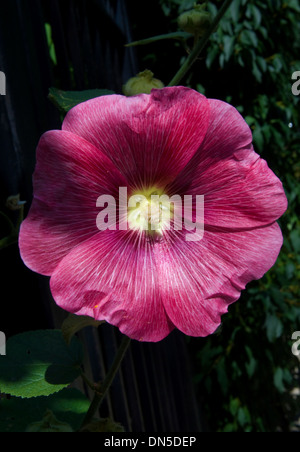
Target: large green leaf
x=39, y=363
x=69, y=406
x=65, y=100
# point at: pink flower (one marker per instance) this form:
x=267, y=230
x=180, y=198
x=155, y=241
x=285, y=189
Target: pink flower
x=182, y=143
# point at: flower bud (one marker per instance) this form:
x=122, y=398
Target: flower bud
x=196, y=21
x=144, y=82
x=14, y=203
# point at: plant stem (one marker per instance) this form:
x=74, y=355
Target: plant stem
x=102, y=391
x=200, y=45
x=89, y=383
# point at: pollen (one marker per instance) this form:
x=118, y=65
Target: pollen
x=150, y=210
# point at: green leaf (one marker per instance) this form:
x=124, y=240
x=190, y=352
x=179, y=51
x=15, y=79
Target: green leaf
x=249, y=38
x=75, y=323
x=228, y=46
x=278, y=297
x=267, y=131
x=65, y=100
x=258, y=138
x=294, y=4
x=235, y=10
x=103, y=425
x=176, y=35
x=234, y=406
x=278, y=380
x=49, y=424
x=8, y=241
x=243, y=416
x=39, y=363
x=236, y=371
x=211, y=56
x=295, y=239
x=251, y=364
x=51, y=46
x=200, y=88
x=230, y=427
x=264, y=32
x=184, y=5
x=262, y=63
x=69, y=406
x=274, y=327
x=290, y=270
x=222, y=60
x=250, y=120
x=256, y=72
x=257, y=16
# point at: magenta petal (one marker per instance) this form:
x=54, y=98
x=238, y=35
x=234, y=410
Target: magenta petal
x=113, y=277
x=227, y=133
x=70, y=175
x=240, y=194
x=240, y=191
x=150, y=138
x=198, y=280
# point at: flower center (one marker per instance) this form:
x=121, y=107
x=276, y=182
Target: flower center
x=150, y=210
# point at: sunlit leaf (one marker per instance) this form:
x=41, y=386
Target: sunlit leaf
x=39, y=363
